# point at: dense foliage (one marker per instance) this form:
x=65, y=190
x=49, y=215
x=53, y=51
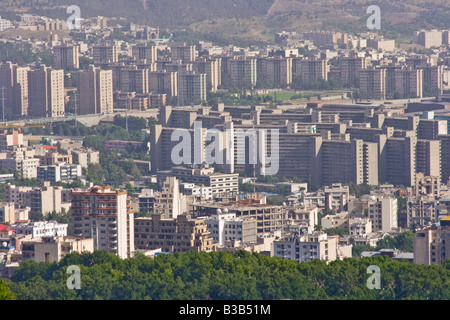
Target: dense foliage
x=403, y=242
x=227, y=275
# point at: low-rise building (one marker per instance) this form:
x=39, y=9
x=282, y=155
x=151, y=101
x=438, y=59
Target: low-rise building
x=41, y=229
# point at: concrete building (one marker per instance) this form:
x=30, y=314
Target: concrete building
x=445, y=157
x=400, y=163
x=178, y=234
x=420, y=212
x=198, y=191
x=41, y=229
x=106, y=216
x=182, y=52
x=9, y=139
x=226, y=228
x=383, y=212
x=275, y=71
x=428, y=158
x=310, y=69
x=46, y=93
x=306, y=215
x=359, y=227
x=144, y=52
x=163, y=82
x=59, y=172
x=191, y=88
x=350, y=68
x=133, y=79
x=14, y=80
x=430, y=129
x=66, y=57
x=243, y=73
x=147, y=199
x=336, y=197
x=105, y=54
x=428, y=39
x=210, y=67
x=307, y=247
x=372, y=84
x=408, y=83
x=95, y=91
x=7, y=212
x=53, y=249
x=432, y=244
x=170, y=203
x=433, y=80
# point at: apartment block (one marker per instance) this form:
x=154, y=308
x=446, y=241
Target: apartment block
x=170, y=203
x=59, y=172
x=105, y=54
x=7, y=212
x=210, y=67
x=432, y=244
x=445, y=157
x=275, y=71
x=428, y=39
x=383, y=214
x=350, y=68
x=430, y=129
x=134, y=80
x=53, y=249
x=310, y=69
x=400, y=161
x=428, y=157
x=182, y=52
x=106, y=216
x=433, y=79
x=144, y=52
x=14, y=80
x=46, y=93
x=163, y=82
x=66, y=57
x=243, y=73
x=9, y=139
x=420, y=212
x=191, y=88
x=372, y=83
x=41, y=229
x=409, y=83
x=178, y=234
x=226, y=228
x=359, y=227
x=95, y=91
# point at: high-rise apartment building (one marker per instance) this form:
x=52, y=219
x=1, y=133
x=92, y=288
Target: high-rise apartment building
x=162, y=82
x=14, y=81
x=275, y=71
x=182, y=52
x=433, y=79
x=310, y=69
x=432, y=244
x=428, y=39
x=46, y=92
x=191, y=88
x=243, y=73
x=95, y=91
x=210, y=67
x=106, y=216
x=372, y=83
x=105, y=54
x=133, y=79
x=170, y=203
x=66, y=57
x=428, y=158
x=445, y=157
x=350, y=68
x=400, y=161
x=383, y=213
x=146, y=52
x=409, y=83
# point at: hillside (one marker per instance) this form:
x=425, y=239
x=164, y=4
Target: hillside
x=255, y=20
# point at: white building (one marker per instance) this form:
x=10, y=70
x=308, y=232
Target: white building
x=4, y=24
x=226, y=227
x=359, y=227
x=41, y=229
x=106, y=216
x=191, y=189
x=307, y=247
x=59, y=172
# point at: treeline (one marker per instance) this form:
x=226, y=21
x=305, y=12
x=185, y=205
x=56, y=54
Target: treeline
x=227, y=275
x=403, y=241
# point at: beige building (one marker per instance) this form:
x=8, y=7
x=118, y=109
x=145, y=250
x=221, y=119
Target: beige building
x=53, y=249
x=310, y=69
x=428, y=158
x=432, y=244
x=106, y=216
x=170, y=203
x=191, y=88
x=336, y=197
x=400, y=161
x=7, y=212
x=178, y=234
x=144, y=52
x=243, y=72
x=350, y=68
x=408, y=83
x=383, y=213
x=66, y=57
x=433, y=79
x=95, y=91
x=105, y=54
x=428, y=39
x=163, y=82
x=182, y=52
x=46, y=93
x=134, y=80
x=14, y=80
x=372, y=83
x=210, y=67
x=275, y=71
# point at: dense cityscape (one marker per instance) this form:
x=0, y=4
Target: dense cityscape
x=169, y=169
